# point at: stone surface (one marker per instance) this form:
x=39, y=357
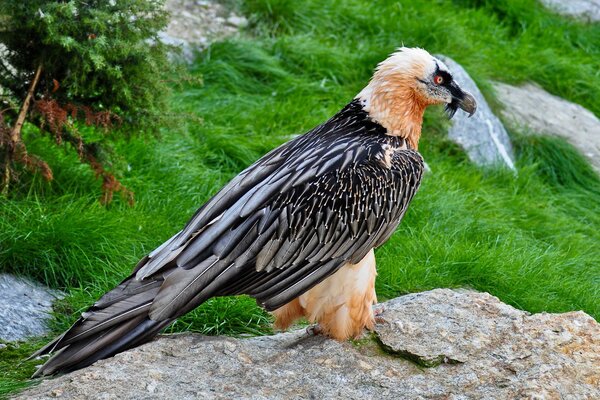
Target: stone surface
x=475, y=347
x=195, y=24
x=25, y=308
x=532, y=107
x=587, y=10
x=482, y=136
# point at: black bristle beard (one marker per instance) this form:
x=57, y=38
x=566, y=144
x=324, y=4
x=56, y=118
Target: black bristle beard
x=451, y=108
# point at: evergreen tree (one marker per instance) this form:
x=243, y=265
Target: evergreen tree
x=68, y=63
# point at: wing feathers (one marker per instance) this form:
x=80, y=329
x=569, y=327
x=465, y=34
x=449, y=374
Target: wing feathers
x=293, y=217
x=181, y=285
x=307, y=280
x=280, y=227
x=226, y=243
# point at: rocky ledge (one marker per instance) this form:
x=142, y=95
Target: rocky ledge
x=441, y=344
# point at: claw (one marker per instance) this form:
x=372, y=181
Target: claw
x=314, y=330
x=378, y=310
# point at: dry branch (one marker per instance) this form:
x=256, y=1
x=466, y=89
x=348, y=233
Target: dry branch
x=15, y=147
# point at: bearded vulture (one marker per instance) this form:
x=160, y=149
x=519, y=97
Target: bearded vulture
x=295, y=230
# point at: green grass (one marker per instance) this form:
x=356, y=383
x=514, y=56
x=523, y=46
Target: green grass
x=532, y=240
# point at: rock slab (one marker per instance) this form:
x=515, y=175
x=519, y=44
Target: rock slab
x=587, y=10
x=25, y=308
x=482, y=135
x=441, y=344
x=532, y=107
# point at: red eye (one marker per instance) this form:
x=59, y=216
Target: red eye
x=438, y=80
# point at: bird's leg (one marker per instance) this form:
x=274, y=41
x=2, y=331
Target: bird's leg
x=287, y=314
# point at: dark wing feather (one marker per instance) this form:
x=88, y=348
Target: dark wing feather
x=297, y=225
x=279, y=228
x=349, y=230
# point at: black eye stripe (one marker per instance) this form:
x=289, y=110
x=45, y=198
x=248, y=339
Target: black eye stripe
x=457, y=94
x=444, y=74
x=447, y=77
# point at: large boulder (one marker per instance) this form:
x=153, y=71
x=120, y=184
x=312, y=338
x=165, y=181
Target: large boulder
x=587, y=10
x=25, y=308
x=482, y=136
x=531, y=107
x=441, y=344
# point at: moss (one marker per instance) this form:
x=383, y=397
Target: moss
x=421, y=361
x=15, y=369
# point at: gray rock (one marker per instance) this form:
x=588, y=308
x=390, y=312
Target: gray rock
x=482, y=136
x=186, y=50
x=587, y=10
x=196, y=24
x=474, y=346
x=532, y=107
x=237, y=21
x=25, y=308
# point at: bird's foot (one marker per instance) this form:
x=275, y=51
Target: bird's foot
x=378, y=311
x=314, y=330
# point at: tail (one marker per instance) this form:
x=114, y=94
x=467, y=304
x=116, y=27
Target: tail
x=116, y=322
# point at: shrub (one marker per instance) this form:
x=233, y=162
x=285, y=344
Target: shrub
x=68, y=64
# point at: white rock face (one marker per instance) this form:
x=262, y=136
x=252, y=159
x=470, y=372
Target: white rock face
x=482, y=136
x=25, y=308
x=441, y=344
x=587, y=10
x=533, y=108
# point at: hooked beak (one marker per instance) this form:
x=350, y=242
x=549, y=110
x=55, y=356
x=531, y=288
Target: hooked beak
x=468, y=104
x=460, y=99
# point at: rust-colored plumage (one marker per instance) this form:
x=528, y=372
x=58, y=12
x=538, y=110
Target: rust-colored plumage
x=296, y=230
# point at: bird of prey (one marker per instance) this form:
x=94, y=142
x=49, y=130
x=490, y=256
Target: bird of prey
x=295, y=230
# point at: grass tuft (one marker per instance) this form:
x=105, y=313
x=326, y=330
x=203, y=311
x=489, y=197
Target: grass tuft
x=557, y=162
x=14, y=367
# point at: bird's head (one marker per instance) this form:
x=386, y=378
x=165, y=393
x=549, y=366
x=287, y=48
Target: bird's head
x=404, y=85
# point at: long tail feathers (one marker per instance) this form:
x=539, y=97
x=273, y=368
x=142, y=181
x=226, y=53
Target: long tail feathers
x=116, y=322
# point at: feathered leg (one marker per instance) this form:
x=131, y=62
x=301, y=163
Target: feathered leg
x=341, y=304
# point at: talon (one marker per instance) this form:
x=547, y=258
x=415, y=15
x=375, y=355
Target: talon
x=378, y=310
x=314, y=330
x=380, y=320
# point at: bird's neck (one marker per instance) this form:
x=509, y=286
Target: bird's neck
x=394, y=104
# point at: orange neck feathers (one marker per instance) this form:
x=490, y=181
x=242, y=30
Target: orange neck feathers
x=392, y=99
